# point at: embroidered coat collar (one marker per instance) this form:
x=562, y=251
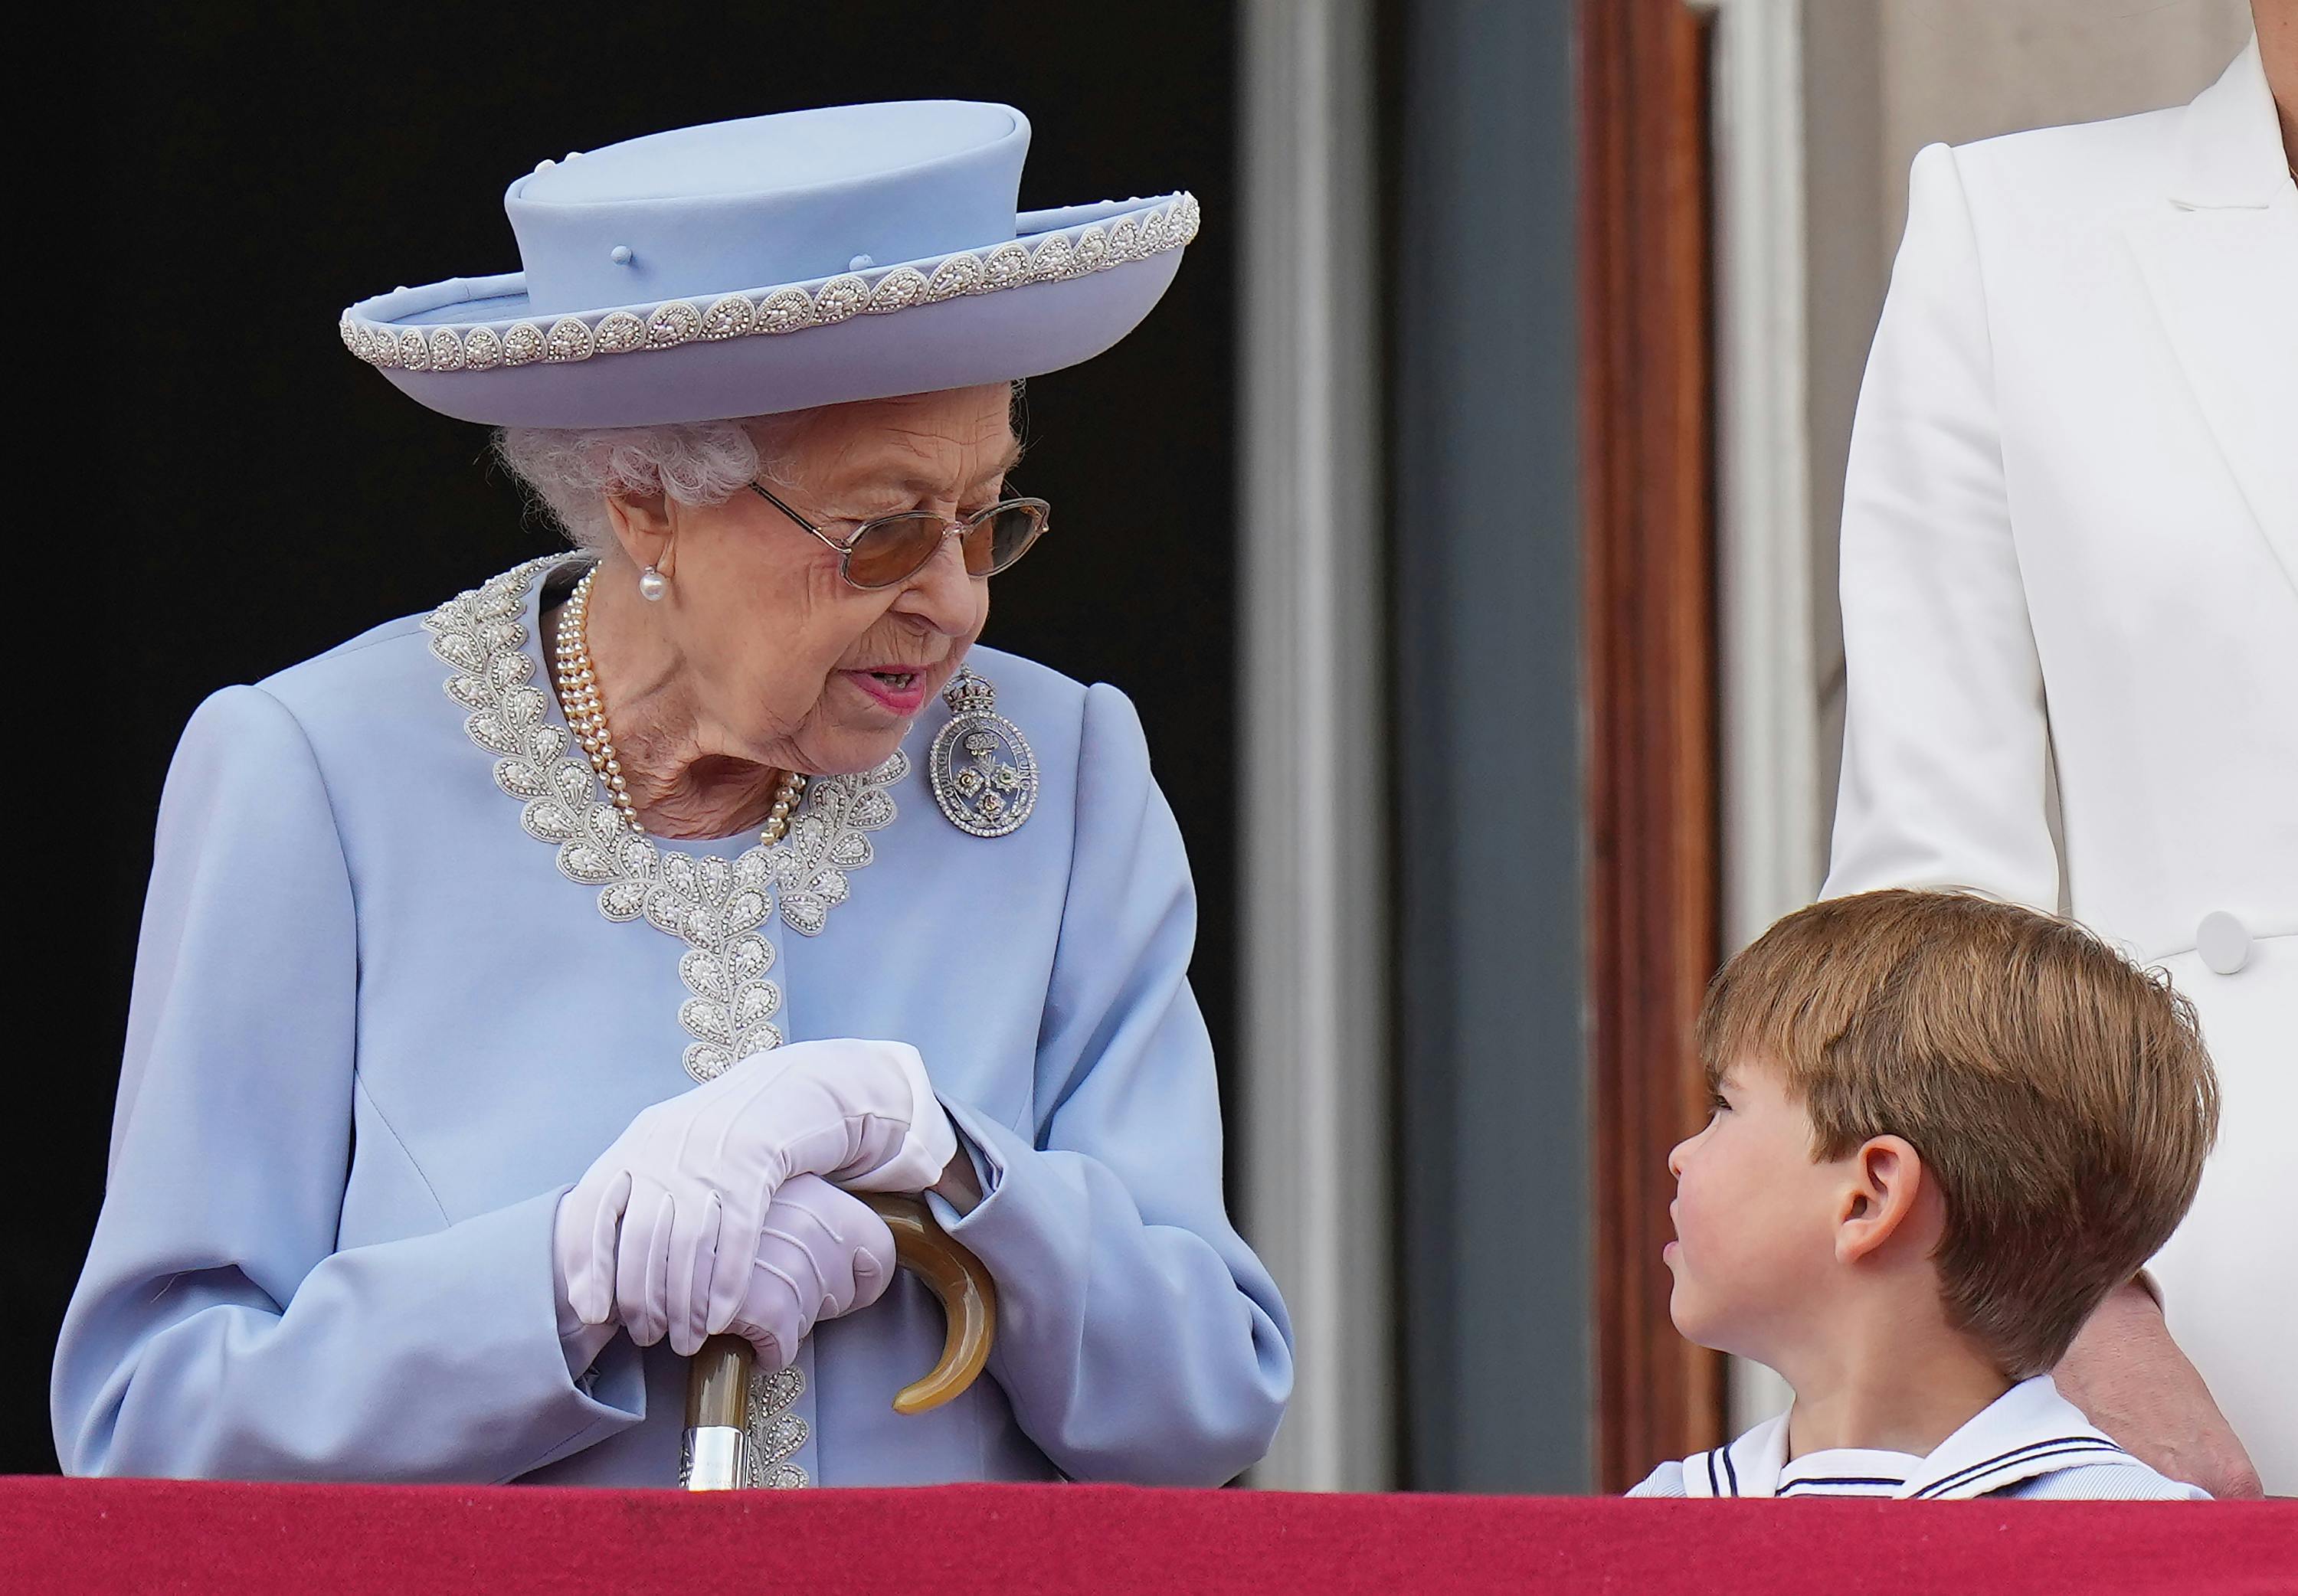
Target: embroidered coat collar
x=720, y=907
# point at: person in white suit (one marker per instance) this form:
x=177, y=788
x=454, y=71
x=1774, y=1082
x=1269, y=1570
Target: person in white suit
x=2070, y=547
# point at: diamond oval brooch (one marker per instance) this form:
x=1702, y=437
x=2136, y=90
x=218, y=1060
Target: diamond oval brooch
x=983, y=774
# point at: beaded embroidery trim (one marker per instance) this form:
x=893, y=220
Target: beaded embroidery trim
x=777, y=1434
x=568, y=338
x=718, y=908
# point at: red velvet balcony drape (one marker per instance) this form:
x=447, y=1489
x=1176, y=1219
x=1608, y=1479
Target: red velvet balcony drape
x=88, y=1535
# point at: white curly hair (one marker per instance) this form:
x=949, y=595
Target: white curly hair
x=569, y=471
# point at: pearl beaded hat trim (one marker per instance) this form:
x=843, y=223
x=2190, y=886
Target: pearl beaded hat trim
x=776, y=263
x=1169, y=224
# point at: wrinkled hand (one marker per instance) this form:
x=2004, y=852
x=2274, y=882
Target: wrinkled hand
x=666, y=1230
x=2129, y=1377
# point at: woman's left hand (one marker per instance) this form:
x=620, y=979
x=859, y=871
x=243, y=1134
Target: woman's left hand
x=821, y=1254
x=662, y=1231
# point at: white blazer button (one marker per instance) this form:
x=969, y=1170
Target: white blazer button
x=2223, y=942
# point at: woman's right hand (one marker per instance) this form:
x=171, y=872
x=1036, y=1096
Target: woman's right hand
x=667, y=1231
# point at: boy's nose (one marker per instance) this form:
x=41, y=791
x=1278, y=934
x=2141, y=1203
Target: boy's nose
x=1677, y=1154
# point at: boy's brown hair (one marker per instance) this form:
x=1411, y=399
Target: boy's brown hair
x=2060, y=1096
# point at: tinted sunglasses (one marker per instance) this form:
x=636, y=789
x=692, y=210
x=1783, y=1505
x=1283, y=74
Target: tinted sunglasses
x=890, y=549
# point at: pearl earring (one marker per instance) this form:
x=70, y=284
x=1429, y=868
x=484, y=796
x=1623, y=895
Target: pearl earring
x=652, y=585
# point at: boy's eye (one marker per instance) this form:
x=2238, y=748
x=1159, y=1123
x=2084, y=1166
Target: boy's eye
x=1717, y=1104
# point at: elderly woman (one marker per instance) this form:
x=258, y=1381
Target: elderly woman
x=492, y=1048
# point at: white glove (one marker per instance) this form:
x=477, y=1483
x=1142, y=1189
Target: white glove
x=822, y=1255
x=663, y=1230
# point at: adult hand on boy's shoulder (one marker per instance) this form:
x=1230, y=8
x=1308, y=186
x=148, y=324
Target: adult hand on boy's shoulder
x=2129, y=1376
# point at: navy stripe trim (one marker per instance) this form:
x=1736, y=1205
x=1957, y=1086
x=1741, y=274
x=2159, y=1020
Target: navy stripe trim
x=1843, y=1479
x=2025, y=1468
x=1731, y=1471
x=2033, y=1452
x=1712, y=1488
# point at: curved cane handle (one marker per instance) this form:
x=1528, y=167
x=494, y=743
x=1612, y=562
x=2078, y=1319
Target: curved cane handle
x=716, y=1453
x=961, y=1283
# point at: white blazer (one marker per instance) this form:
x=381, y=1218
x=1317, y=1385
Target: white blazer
x=2070, y=538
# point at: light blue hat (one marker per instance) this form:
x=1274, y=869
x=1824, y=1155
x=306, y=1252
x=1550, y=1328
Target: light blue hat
x=774, y=263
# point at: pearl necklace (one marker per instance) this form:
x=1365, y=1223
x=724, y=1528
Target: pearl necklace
x=586, y=714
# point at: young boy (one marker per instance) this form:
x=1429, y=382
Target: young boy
x=1942, y=1130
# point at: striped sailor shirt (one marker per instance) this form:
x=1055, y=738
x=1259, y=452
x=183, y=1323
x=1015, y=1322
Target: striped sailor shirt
x=2031, y=1443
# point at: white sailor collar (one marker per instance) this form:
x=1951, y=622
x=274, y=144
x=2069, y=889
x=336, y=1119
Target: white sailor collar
x=2029, y=1430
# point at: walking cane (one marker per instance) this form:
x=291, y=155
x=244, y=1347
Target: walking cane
x=717, y=1452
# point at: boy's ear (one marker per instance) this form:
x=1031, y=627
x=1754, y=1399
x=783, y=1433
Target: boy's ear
x=1878, y=1199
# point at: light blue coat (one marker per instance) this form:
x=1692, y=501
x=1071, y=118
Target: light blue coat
x=376, y=1032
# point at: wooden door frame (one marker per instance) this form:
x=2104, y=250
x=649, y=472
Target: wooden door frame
x=1653, y=891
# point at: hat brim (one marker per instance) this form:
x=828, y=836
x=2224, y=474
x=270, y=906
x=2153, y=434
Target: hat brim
x=1071, y=284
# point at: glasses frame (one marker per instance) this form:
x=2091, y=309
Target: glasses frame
x=957, y=528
